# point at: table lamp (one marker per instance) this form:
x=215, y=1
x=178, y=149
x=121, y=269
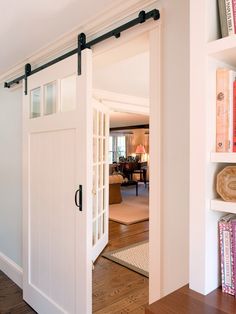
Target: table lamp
x=140, y=149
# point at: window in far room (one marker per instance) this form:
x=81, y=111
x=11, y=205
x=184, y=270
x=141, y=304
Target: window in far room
x=117, y=147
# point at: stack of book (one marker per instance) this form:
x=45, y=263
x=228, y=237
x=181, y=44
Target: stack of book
x=225, y=110
x=227, y=232
x=227, y=12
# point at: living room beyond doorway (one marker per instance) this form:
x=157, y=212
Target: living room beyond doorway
x=128, y=168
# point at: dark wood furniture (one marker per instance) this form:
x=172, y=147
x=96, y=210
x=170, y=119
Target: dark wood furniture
x=130, y=183
x=129, y=168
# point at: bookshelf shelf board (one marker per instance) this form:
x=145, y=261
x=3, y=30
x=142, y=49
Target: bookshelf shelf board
x=223, y=49
x=222, y=206
x=223, y=157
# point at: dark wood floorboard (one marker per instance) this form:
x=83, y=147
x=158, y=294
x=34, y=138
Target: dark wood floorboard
x=187, y=301
x=117, y=289
x=11, y=300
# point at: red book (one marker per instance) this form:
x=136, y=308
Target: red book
x=234, y=117
x=234, y=14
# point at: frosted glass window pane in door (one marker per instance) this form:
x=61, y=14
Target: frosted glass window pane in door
x=104, y=125
x=94, y=232
x=95, y=122
x=50, y=98
x=35, y=100
x=68, y=93
x=100, y=124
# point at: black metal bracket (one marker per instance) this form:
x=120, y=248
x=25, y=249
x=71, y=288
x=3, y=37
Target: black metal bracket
x=81, y=46
x=27, y=73
x=142, y=17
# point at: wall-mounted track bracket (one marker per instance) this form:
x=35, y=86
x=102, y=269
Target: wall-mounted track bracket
x=81, y=46
x=27, y=73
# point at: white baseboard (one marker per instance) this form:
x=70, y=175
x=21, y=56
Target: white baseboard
x=11, y=269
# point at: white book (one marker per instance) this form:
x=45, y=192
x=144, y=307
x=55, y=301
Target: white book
x=229, y=16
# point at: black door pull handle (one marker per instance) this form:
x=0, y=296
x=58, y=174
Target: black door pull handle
x=80, y=192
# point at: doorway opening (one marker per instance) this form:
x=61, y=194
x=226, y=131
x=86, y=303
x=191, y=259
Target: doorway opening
x=121, y=84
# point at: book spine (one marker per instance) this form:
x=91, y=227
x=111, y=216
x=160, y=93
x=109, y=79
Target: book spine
x=225, y=230
x=231, y=108
x=234, y=117
x=234, y=14
x=233, y=225
x=223, y=20
x=222, y=110
x=229, y=16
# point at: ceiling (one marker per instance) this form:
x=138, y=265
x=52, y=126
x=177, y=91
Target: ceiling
x=120, y=119
x=29, y=25
x=128, y=76
x=125, y=69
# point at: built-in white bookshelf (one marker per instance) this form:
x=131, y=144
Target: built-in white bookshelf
x=222, y=206
x=207, y=53
x=223, y=157
x=223, y=49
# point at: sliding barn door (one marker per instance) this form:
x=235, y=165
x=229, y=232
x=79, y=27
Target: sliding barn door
x=100, y=177
x=57, y=188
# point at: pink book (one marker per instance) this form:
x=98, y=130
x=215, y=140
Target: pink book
x=233, y=225
x=222, y=110
x=234, y=14
x=226, y=253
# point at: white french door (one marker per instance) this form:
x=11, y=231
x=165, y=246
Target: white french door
x=57, y=160
x=100, y=177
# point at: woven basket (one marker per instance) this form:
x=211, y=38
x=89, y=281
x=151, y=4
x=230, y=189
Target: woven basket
x=226, y=184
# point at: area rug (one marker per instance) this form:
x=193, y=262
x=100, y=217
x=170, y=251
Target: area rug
x=132, y=209
x=134, y=257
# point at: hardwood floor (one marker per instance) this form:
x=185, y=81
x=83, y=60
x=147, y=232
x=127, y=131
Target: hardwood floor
x=187, y=301
x=11, y=298
x=117, y=289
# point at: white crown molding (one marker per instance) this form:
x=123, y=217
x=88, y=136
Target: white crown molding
x=122, y=102
x=11, y=269
x=95, y=25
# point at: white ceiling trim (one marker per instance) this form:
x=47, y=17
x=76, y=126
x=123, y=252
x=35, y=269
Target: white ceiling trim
x=122, y=102
x=93, y=27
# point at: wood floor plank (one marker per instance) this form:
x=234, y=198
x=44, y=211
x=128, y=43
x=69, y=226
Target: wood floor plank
x=11, y=300
x=116, y=289
x=187, y=301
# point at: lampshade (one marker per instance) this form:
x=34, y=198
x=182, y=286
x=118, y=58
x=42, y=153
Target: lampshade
x=140, y=149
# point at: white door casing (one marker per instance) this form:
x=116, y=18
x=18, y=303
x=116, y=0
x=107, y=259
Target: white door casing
x=100, y=177
x=57, y=150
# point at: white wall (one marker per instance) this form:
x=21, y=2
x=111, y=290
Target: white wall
x=10, y=174
x=175, y=122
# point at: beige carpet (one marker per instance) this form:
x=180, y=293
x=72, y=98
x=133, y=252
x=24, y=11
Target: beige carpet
x=134, y=257
x=133, y=208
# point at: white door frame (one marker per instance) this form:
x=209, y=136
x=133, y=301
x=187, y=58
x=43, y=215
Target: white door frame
x=155, y=206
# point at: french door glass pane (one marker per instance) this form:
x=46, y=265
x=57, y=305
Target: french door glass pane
x=50, y=98
x=35, y=100
x=68, y=93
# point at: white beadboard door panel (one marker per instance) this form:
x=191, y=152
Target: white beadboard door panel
x=100, y=177
x=57, y=150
